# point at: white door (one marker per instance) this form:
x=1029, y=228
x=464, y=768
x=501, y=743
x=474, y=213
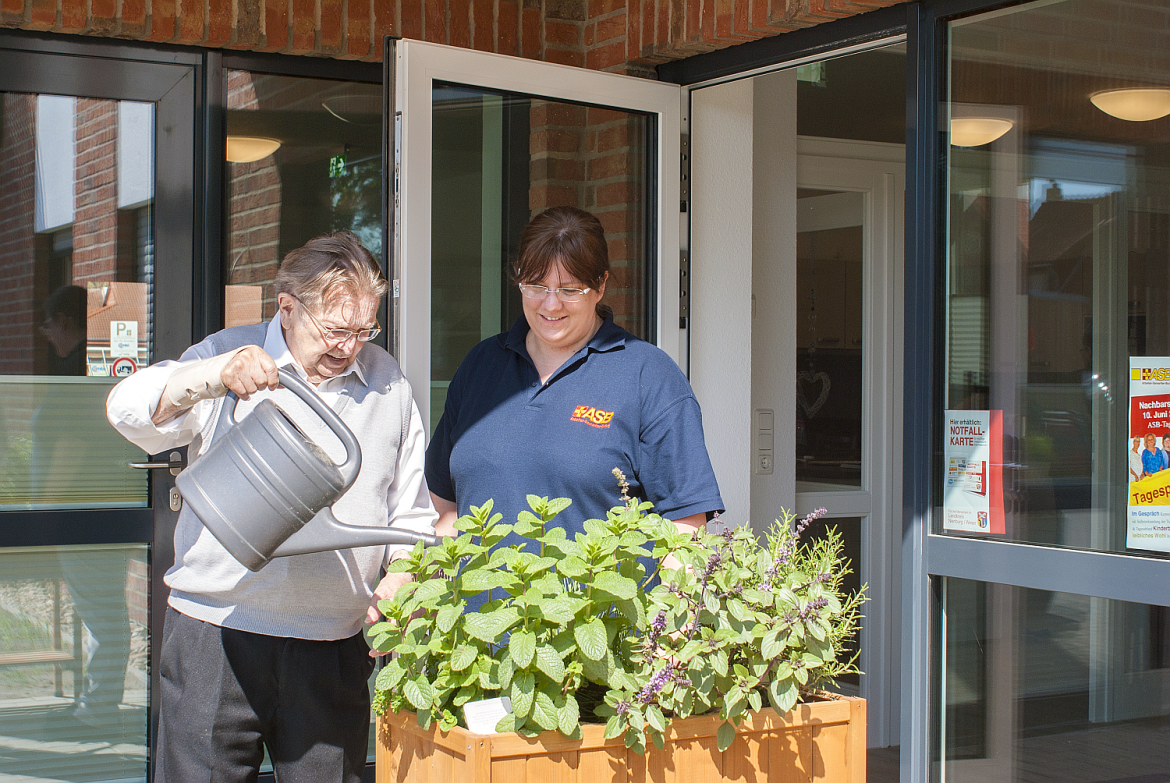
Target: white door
x=486, y=141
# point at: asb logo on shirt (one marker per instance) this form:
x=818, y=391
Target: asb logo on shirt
x=594, y=417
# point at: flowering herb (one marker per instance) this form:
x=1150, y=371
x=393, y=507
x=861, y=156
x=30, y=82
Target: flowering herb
x=739, y=625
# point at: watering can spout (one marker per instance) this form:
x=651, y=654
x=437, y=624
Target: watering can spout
x=324, y=533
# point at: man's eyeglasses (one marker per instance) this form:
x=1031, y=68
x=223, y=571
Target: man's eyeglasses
x=532, y=291
x=341, y=335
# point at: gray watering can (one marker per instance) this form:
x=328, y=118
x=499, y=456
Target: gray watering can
x=263, y=488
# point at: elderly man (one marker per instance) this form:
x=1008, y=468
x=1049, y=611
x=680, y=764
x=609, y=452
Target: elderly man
x=276, y=658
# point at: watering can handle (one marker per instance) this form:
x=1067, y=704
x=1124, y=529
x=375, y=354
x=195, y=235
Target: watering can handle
x=300, y=387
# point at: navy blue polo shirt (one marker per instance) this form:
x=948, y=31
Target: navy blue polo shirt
x=619, y=402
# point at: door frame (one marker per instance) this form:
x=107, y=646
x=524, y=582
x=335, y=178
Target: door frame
x=171, y=80
x=412, y=68
x=877, y=171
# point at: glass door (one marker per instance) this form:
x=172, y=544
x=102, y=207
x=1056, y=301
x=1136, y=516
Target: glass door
x=91, y=253
x=484, y=142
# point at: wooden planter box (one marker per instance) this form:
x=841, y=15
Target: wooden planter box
x=820, y=741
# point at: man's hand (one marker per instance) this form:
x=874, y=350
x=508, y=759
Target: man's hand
x=251, y=370
x=385, y=590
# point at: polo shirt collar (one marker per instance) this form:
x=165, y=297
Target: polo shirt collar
x=608, y=337
x=277, y=348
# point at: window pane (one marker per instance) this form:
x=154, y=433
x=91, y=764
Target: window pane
x=1058, y=242
x=77, y=267
x=830, y=255
x=74, y=644
x=304, y=159
x=498, y=160
x=1039, y=685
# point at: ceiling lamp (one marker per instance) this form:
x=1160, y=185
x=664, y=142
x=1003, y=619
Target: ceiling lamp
x=1138, y=104
x=977, y=131
x=247, y=149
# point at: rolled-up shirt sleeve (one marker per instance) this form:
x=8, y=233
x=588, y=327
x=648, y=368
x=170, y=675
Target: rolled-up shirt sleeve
x=135, y=398
x=408, y=498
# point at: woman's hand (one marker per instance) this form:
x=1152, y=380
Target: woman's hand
x=687, y=525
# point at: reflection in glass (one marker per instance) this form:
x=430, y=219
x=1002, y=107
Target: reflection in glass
x=324, y=174
x=1051, y=686
x=830, y=253
x=498, y=160
x=1057, y=255
x=77, y=261
x=74, y=649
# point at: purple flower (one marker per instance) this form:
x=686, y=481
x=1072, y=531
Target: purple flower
x=655, y=686
x=659, y=625
x=622, y=707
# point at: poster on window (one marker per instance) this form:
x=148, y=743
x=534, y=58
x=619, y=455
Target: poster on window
x=973, y=485
x=1148, y=522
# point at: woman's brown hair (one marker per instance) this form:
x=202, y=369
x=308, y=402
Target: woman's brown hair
x=569, y=236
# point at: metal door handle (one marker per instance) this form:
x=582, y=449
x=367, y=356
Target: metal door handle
x=175, y=465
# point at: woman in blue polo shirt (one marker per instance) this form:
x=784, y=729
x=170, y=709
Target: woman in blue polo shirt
x=553, y=405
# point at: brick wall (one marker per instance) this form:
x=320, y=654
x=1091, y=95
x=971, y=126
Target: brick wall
x=95, y=223
x=17, y=275
x=614, y=35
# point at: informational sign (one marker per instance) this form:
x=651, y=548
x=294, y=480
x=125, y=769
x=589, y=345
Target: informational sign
x=1148, y=457
x=124, y=339
x=973, y=485
x=123, y=366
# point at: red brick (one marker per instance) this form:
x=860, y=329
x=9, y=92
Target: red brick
x=599, y=116
x=357, y=29
x=385, y=20
x=562, y=33
x=573, y=57
x=693, y=30
x=552, y=141
x=600, y=7
x=191, y=22
x=484, y=28
x=545, y=168
x=606, y=56
x=276, y=26
x=460, y=32
x=545, y=196
x=611, y=27
x=589, y=34
x=613, y=138
x=530, y=44
x=507, y=27
x=435, y=21
x=219, y=22
x=609, y=166
x=613, y=221
x=633, y=28
x=616, y=193
x=304, y=33
x=42, y=15
x=73, y=16
x=545, y=113
x=412, y=19
x=329, y=28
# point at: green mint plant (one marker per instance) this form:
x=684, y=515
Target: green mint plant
x=576, y=628
x=567, y=614
x=738, y=625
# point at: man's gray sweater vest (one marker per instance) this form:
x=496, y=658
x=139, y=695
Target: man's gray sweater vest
x=315, y=596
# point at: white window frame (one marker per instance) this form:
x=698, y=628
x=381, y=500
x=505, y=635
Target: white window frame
x=418, y=65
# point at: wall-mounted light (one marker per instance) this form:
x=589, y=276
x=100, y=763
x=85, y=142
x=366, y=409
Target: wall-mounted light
x=247, y=149
x=977, y=131
x=1137, y=104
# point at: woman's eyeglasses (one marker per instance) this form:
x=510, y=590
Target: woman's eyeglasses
x=532, y=291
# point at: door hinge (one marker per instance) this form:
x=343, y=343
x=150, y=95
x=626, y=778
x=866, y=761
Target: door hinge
x=684, y=186
x=684, y=288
